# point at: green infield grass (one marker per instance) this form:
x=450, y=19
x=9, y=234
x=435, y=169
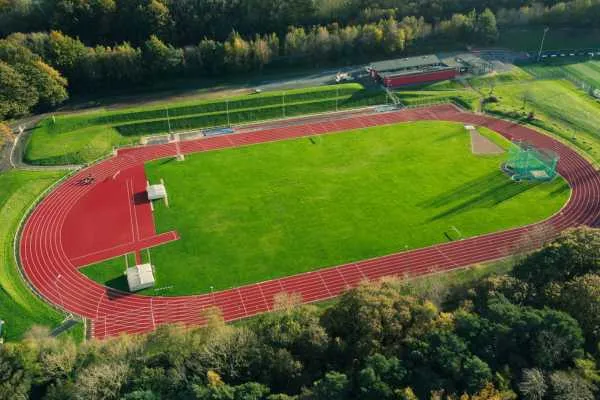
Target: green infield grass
x=19, y=307
x=253, y=213
x=83, y=137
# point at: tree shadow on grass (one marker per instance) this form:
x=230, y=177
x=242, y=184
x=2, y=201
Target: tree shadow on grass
x=447, y=136
x=560, y=189
x=484, y=192
x=470, y=188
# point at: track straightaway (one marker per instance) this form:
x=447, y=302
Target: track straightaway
x=56, y=278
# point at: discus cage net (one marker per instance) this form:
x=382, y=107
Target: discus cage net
x=527, y=162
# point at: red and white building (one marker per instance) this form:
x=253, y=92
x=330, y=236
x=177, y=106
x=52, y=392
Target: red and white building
x=411, y=71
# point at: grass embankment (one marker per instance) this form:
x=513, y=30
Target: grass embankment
x=84, y=137
x=276, y=209
x=559, y=108
x=19, y=307
x=430, y=95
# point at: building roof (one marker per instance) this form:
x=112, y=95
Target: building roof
x=156, y=192
x=405, y=63
x=140, y=277
x=470, y=59
x=423, y=70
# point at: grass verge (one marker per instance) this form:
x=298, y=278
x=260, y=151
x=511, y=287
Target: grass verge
x=19, y=307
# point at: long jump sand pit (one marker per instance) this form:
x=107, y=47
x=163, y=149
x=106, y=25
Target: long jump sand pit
x=480, y=145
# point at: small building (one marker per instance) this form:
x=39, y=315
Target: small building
x=411, y=71
x=156, y=192
x=472, y=64
x=140, y=277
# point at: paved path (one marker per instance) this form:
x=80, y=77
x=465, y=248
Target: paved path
x=53, y=274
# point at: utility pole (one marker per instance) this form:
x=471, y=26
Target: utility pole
x=546, y=29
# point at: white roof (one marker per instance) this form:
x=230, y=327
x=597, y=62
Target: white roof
x=469, y=127
x=140, y=277
x=156, y=192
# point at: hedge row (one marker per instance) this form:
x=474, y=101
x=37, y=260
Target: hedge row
x=364, y=98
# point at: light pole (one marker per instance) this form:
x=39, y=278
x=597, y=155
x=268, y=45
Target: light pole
x=168, y=121
x=546, y=29
x=212, y=294
x=227, y=105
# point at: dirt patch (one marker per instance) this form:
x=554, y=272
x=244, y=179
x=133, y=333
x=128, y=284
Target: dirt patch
x=481, y=145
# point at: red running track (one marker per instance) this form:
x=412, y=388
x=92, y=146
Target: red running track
x=50, y=260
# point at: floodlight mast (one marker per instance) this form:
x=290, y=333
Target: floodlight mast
x=546, y=29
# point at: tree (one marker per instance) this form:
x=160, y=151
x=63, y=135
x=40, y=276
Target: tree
x=295, y=42
x=533, y=385
x=567, y=386
x=393, y=36
x=380, y=377
x=65, y=53
x=101, y=381
x=161, y=58
x=5, y=133
x=15, y=379
x=49, y=84
x=333, y=386
x=262, y=52
x=141, y=395
x=486, y=29
x=376, y=318
x=237, y=53
x=580, y=298
x=16, y=96
x=575, y=252
x=89, y=19
x=370, y=38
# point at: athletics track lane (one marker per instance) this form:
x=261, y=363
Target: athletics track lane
x=49, y=268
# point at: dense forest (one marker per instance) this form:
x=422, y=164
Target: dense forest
x=55, y=48
x=184, y=22
x=532, y=334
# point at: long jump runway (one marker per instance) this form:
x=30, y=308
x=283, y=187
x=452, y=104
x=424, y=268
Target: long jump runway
x=79, y=224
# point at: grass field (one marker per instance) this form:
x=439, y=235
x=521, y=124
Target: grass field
x=19, y=307
x=258, y=212
x=84, y=137
x=584, y=70
x=559, y=108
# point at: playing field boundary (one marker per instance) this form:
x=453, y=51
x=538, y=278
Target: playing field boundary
x=112, y=312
